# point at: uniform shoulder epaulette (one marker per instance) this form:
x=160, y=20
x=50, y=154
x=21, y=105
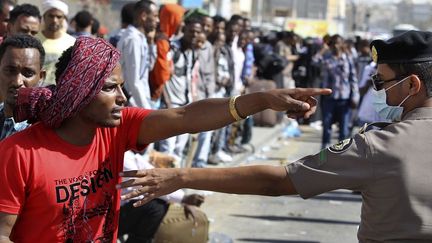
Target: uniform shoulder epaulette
x=367, y=127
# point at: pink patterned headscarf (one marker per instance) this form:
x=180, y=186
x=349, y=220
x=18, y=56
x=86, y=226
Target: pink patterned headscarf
x=92, y=61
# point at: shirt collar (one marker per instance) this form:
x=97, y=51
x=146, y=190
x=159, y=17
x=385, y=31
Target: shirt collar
x=132, y=28
x=419, y=114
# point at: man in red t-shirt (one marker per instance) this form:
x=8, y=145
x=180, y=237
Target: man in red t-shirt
x=58, y=177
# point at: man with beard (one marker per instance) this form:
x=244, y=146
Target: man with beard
x=53, y=36
x=58, y=178
x=24, y=19
x=21, y=60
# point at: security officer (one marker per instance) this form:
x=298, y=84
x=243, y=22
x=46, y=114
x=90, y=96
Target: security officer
x=391, y=167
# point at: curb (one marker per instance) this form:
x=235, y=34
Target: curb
x=272, y=134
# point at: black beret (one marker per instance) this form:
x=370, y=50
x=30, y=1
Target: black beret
x=410, y=47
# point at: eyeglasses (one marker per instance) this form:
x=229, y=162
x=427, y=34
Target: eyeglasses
x=378, y=83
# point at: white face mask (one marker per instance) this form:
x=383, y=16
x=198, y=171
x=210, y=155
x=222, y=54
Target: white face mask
x=387, y=112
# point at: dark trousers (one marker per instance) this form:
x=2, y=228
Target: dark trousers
x=247, y=130
x=141, y=223
x=335, y=111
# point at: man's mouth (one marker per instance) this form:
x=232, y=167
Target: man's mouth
x=116, y=113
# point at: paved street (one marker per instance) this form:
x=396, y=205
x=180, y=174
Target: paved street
x=331, y=217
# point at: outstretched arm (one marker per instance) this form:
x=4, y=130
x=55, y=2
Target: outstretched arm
x=210, y=114
x=255, y=180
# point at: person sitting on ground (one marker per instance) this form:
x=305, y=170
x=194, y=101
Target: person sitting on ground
x=140, y=224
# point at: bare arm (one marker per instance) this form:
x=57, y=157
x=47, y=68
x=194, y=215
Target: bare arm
x=210, y=114
x=255, y=180
x=7, y=221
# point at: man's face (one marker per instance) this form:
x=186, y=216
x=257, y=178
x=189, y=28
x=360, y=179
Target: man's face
x=4, y=18
x=19, y=67
x=247, y=25
x=105, y=109
x=396, y=94
x=232, y=31
x=200, y=41
x=240, y=24
x=337, y=44
x=219, y=28
x=152, y=19
x=53, y=19
x=25, y=25
x=220, y=41
x=191, y=32
x=207, y=25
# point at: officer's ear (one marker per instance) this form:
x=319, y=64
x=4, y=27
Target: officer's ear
x=415, y=85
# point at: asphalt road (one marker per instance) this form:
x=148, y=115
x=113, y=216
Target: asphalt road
x=331, y=217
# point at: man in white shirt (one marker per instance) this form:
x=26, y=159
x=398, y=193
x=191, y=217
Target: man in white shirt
x=53, y=36
x=136, y=53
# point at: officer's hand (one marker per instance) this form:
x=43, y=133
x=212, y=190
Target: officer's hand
x=150, y=183
x=298, y=102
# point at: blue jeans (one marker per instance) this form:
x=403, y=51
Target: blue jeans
x=335, y=111
x=203, y=149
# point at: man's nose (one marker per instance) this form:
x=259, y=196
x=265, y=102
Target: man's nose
x=120, y=97
x=17, y=81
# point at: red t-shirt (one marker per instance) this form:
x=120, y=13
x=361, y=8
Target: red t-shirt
x=62, y=192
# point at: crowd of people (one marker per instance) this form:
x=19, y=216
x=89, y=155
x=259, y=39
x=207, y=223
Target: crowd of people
x=176, y=88
x=62, y=86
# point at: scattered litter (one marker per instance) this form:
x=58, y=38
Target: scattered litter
x=216, y=237
x=335, y=202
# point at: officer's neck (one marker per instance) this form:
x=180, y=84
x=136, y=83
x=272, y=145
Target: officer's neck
x=410, y=106
x=427, y=103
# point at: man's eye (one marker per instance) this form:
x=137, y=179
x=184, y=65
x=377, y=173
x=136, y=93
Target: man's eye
x=109, y=88
x=28, y=74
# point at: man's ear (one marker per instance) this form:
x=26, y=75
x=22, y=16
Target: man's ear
x=415, y=85
x=42, y=76
x=9, y=27
x=143, y=16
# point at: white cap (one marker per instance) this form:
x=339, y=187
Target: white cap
x=57, y=4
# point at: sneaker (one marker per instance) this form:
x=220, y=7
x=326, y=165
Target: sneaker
x=223, y=156
x=235, y=149
x=213, y=160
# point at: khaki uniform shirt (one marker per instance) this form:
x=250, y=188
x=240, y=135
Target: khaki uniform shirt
x=392, y=168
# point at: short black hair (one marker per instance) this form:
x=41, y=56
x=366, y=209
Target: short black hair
x=127, y=13
x=192, y=20
x=63, y=62
x=422, y=69
x=95, y=26
x=23, y=41
x=83, y=19
x=218, y=19
x=334, y=38
x=142, y=6
x=27, y=10
x=3, y=2
x=235, y=17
